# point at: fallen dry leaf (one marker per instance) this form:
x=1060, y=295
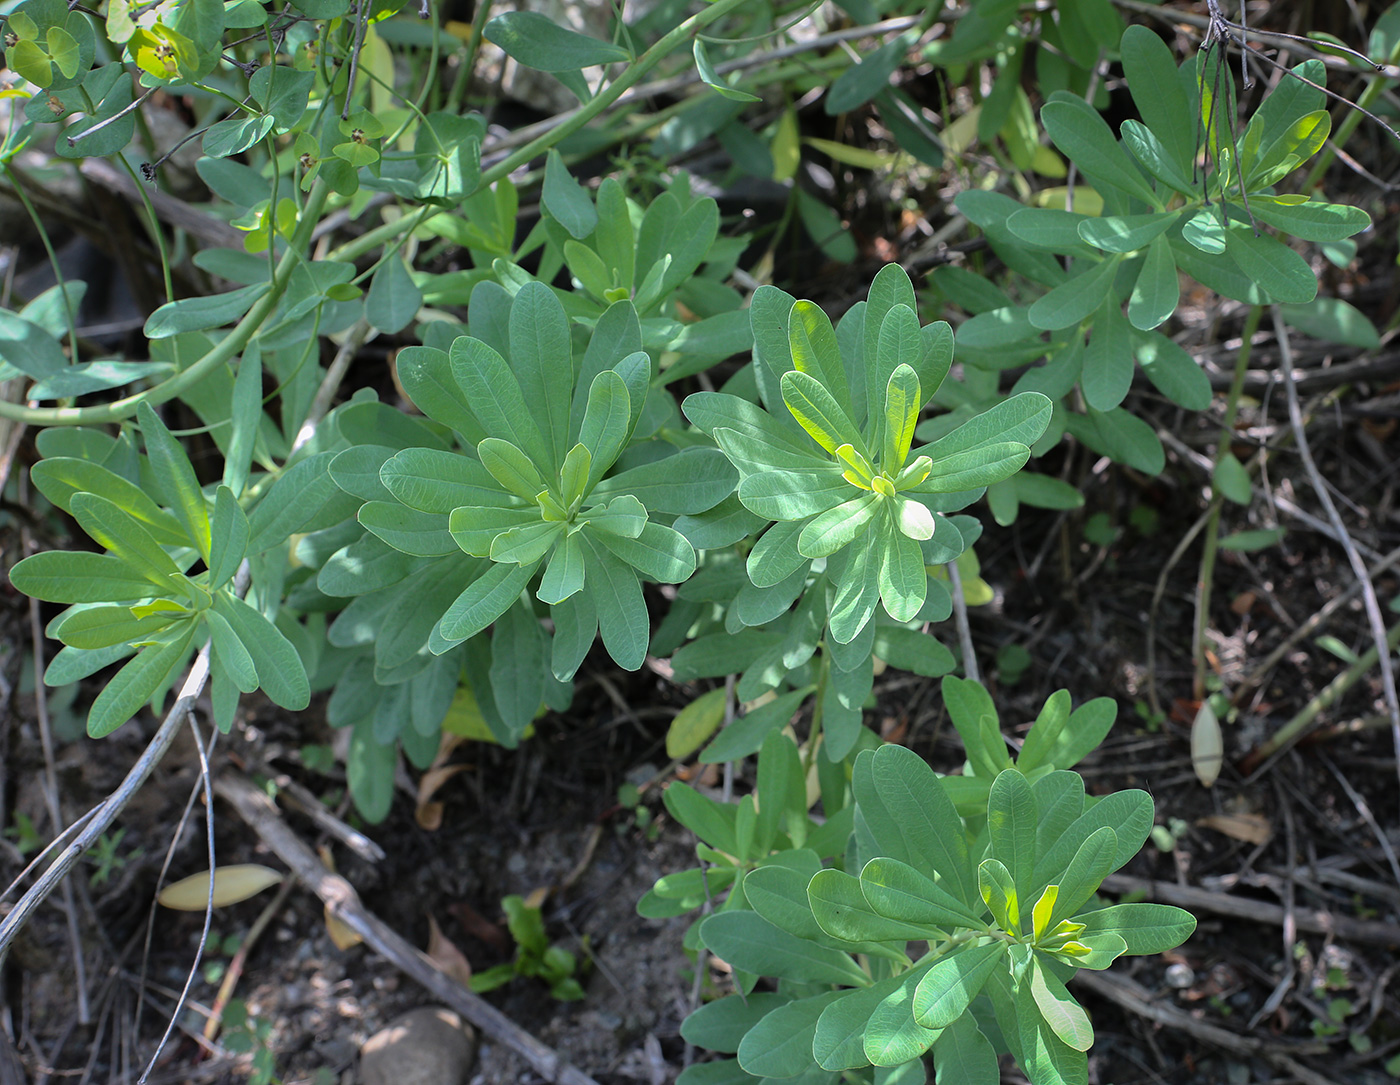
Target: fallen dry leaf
x=231, y=885
x=446, y=955
x=429, y=814
x=1251, y=828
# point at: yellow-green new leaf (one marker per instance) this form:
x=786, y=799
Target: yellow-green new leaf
x=695, y=723
x=231, y=884
x=1057, y=1006
x=818, y=412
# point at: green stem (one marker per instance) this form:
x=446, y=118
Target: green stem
x=615, y=90
x=1294, y=728
x=53, y=257
x=1217, y=501
x=221, y=354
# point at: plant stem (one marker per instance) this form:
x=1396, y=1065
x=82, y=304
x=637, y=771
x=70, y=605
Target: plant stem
x=1207, y=571
x=224, y=352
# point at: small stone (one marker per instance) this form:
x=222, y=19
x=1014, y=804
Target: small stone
x=1180, y=976
x=427, y=1046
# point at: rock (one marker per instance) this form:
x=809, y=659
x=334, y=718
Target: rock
x=427, y=1046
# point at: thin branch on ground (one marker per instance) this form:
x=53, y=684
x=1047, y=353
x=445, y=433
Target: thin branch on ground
x=1324, y=497
x=340, y=898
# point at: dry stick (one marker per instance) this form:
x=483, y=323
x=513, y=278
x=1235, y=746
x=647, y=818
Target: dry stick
x=344, y=903
x=50, y=789
x=1318, y=619
x=1137, y=999
x=107, y=812
x=235, y=967
x=208, y=907
x=1368, y=590
x=1371, y=931
x=960, y=619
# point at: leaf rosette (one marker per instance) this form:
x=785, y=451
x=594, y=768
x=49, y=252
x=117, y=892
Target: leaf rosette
x=832, y=460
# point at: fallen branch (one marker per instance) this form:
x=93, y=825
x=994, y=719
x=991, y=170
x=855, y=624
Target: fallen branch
x=1371, y=931
x=344, y=903
x=1137, y=999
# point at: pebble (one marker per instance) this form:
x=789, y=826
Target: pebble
x=427, y=1046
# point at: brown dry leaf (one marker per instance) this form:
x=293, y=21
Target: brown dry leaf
x=478, y=926
x=1251, y=828
x=429, y=814
x=446, y=955
x=536, y=897
x=342, y=935
x=1243, y=603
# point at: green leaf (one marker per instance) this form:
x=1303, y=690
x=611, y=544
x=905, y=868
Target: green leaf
x=659, y=553
x=998, y=890
x=281, y=673
x=1278, y=270
x=815, y=352
x=299, y=493
x=435, y=481
x=1157, y=291
x=105, y=626
x=975, y=718
x=565, y=199
x=112, y=527
x=913, y=650
x=228, y=539
x=539, y=42
x=233, y=657
x=713, y=81
x=865, y=79
x=1125, y=233
x=1146, y=928
x=78, y=576
x=688, y=483
x=745, y=735
x=838, y=527
x=1044, y=1056
x=1159, y=94
x=1231, y=480
x=1309, y=220
x=793, y=496
x=843, y=912
x=622, y=612
x=199, y=314
x=1128, y=813
x=818, y=412
x=711, y=821
x=897, y=891
x=963, y=1056
x=394, y=298
x=1011, y=822
x=483, y=601
x=893, y=1038
x=606, y=424
x=1084, y=874
x=564, y=575
x=408, y=530
x=931, y=828
x=749, y=942
x=1129, y=440
x=1333, y=320
x=695, y=723
x=781, y=1044
x=1083, y=135
x=1075, y=300
x=903, y=578
x=495, y=396
x=721, y=1025
x=135, y=684
x=1173, y=371
x=175, y=477
x=955, y=979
